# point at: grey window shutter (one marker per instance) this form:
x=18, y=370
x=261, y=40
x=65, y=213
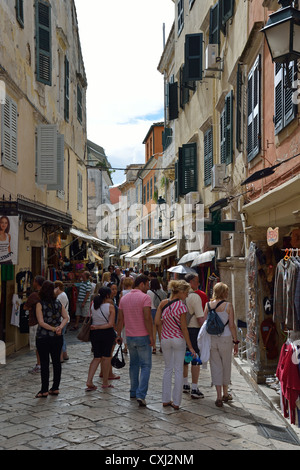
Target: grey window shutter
x=189, y=168
x=43, y=42
x=285, y=109
x=59, y=185
x=222, y=138
x=290, y=109
x=253, y=124
x=47, y=154
x=214, y=24
x=67, y=89
x=227, y=10
x=239, y=107
x=193, y=57
x=176, y=182
x=79, y=190
x=228, y=128
x=208, y=156
x=9, y=133
x=173, y=101
x=20, y=12
x=79, y=103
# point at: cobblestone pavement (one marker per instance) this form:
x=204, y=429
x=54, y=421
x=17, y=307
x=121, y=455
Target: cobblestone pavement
x=109, y=420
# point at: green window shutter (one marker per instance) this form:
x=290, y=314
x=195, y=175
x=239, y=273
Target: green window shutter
x=43, y=42
x=9, y=133
x=67, y=89
x=189, y=168
x=20, y=12
x=59, y=185
x=214, y=24
x=176, y=183
x=193, y=63
x=239, y=107
x=253, y=114
x=222, y=138
x=173, y=101
x=47, y=154
x=79, y=103
x=227, y=10
x=208, y=156
x=228, y=128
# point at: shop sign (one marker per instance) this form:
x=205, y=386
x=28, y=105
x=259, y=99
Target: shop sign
x=9, y=239
x=272, y=235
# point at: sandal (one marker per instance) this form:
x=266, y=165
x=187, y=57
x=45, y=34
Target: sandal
x=219, y=403
x=154, y=351
x=53, y=392
x=167, y=404
x=108, y=386
x=176, y=407
x=41, y=395
x=226, y=398
x=91, y=388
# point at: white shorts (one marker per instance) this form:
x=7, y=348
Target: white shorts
x=32, y=335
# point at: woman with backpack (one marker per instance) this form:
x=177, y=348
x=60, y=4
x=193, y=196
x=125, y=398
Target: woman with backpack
x=171, y=314
x=52, y=317
x=157, y=294
x=221, y=344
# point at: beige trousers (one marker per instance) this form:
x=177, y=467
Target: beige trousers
x=220, y=359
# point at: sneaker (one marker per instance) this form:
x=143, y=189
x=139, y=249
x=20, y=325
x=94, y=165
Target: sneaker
x=186, y=389
x=197, y=394
x=141, y=402
x=35, y=370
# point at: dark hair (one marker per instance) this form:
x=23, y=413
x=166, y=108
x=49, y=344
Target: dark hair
x=39, y=280
x=112, y=284
x=103, y=293
x=154, y=284
x=190, y=276
x=47, y=291
x=153, y=274
x=140, y=279
x=146, y=273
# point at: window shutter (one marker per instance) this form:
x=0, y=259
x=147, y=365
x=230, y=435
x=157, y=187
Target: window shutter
x=290, y=110
x=184, y=91
x=189, y=168
x=239, y=107
x=193, y=57
x=285, y=110
x=208, y=156
x=227, y=10
x=59, y=185
x=67, y=89
x=176, y=182
x=253, y=123
x=47, y=154
x=228, y=128
x=167, y=137
x=173, y=101
x=79, y=103
x=79, y=190
x=214, y=24
x=222, y=138
x=43, y=42
x=9, y=134
x=20, y=12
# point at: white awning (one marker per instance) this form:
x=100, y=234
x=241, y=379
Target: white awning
x=158, y=257
x=189, y=257
x=91, y=239
x=152, y=248
x=128, y=256
x=205, y=257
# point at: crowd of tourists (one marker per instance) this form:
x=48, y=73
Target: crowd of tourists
x=136, y=310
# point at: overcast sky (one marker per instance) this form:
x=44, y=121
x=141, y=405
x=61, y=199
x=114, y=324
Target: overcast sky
x=122, y=43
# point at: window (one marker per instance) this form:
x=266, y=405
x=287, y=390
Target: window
x=151, y=189
x=214, y=24
x=9, y=134
x=173, y=101
x=147, y=191
x=186, y=170
x=226, y=130
x=227, y=10
x=253, y=113
x=59, y=185
x=180, y=10
x=43, y=42
x=166, y=137
x=285, y=109
x=79, y=190
x=20, y=12
x=193, y=57
x=67, y=90
x=208, y=156
x=79, y=103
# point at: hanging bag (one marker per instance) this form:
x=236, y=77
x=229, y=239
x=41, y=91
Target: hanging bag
x=117, y=362
x=214, y=324
x=85, y=330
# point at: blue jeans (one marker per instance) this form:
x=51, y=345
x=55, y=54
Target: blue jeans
x=140, y=365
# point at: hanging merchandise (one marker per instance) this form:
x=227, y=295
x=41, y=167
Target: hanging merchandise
x=251, y=305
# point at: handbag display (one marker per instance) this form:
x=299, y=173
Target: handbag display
x=84, y=333
x=115, y=361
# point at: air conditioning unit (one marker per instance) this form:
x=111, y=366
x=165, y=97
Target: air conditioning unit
x=192, y=198
x=218, y=174
x=212, y=60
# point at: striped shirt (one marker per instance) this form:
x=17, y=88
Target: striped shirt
x=83, y=288
x=171, y=320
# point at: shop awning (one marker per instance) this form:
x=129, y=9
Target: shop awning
x=205, y=257
x=158, y=257
x=152, y=248
x=91, y=239
x=189, y=257
x=128, y=256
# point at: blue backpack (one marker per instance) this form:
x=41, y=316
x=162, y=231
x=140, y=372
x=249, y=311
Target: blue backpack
x=214, y=324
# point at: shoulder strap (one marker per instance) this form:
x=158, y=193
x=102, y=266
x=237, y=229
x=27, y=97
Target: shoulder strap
x=169, y=303
x=103, y=314
x=218, y=304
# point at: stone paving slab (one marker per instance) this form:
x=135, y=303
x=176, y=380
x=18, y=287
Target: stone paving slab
x=108, y=420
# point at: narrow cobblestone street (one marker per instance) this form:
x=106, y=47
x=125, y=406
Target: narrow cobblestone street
x=109, y=420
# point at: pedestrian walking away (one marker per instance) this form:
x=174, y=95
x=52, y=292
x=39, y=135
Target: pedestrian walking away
x=102, y=337
x=52, y=317
x=135, y=314
x=171, y=313
x=83, y=299
x=221, y=346
x=64, y=300
x=157, y=294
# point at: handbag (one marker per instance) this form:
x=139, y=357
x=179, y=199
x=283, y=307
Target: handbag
x=84, y=333
x=115, y=361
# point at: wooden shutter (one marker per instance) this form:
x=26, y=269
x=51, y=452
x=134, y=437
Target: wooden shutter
x=47, y=154
x=59, y=185
x=228, y=128
x=43, y=42
x=253, y=121
x=239, y=107
x=285, y=110
x=227, y=10
x=222, y=137
x=173, y=101
x=189, y=168
x=208, y=156
x=67, y=89
x=20, y=12
x=176, y=182
x=214, y=24
x=9, y=134
x=193, y=63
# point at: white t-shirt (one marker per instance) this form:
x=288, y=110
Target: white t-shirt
x=100, y=316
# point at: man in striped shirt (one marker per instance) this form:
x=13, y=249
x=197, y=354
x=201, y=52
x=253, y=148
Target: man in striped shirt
x=83, y=299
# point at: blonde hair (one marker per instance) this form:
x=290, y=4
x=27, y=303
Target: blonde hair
x=220, y=291
x=106, y=277
x=128, y=282
x=178, y=286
